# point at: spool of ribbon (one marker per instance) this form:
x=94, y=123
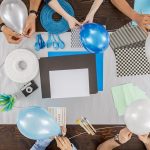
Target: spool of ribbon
x=52, y=26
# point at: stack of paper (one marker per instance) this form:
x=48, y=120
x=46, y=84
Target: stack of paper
x=59, y=114
x=126, y=94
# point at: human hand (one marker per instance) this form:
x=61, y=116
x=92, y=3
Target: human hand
x=145, y=139
x=63, y=130
x=63, y=143
x=89, y=18
x=143, y=21
x=11, y=36
x=73, y=22
x=30, y=25
x=124, y=135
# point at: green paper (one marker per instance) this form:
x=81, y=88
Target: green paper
x=119, y=99
x=126, y=94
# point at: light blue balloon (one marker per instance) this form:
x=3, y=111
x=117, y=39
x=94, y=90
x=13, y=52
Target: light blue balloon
x=36, y=123
x=94, y=37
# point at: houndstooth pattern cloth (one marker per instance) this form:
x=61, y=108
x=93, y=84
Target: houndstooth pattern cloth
x=75, y=38
x=131, y=60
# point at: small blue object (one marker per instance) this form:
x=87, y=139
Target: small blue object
x=99, y=63
x=55, y=43
x=49, y=42
x=39, y=44
x=94, y=37
x=52, y=26
x=60, y=42
x=36, y=123
x=142, y=6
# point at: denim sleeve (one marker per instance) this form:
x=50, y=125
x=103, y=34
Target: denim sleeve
x=47, y=1
x=73, y=147
x=41, y=144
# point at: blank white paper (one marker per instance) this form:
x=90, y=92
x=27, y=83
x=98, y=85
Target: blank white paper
x=69, y=83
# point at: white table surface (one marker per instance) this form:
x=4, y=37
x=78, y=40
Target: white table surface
x=99, y=108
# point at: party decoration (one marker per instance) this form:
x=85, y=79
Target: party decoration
x=21, y=66
x=55, y=26
x=39, y=44
x=137, y=117
x=37, y=124
x=14, y=14
x=6, y=102
x=94, y=37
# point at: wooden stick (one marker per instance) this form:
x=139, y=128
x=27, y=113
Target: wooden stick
x=88, y=127
x=90, y=124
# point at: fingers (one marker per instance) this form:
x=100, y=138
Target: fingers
x=11, y=41
x=78, y=23
x=64, y=130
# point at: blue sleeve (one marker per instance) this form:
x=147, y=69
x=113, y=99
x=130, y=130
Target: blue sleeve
x=73, y=147
x=47, y=1
x=41, y=144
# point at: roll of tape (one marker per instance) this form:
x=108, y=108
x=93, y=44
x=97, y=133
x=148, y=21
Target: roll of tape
x=21, y=66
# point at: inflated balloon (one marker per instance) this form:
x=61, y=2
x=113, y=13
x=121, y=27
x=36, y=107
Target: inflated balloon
x=137, y=117
x=14, y=14
x=94, y=37
x=36, y=123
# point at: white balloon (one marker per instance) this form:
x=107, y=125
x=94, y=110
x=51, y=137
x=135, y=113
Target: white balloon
x=14, y=14
x=137, y=117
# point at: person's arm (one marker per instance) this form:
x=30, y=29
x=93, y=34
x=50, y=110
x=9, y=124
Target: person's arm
x=93, y=10
x=64, y=144
x=41, y=144
x=11, y=36
x=54, y=4
x=142, y=20
x=108, y=145
x=124, y=136
x=30, y=26
x=146, y=140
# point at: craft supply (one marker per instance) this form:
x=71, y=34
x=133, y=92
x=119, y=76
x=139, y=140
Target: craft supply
x=60, y=42
x=59, y=114
x=131, y=60
x=14, y=14
x=75, y=38
x=89, y=124
x=6, y=102
x=55, y=26
x=94, y=37
x=67, y=63
x=126, y=94
x=84, y=123
x=21, y=66
x=99, y=63
x=127, y=35
x=69, y=83
x=55, y=43
x=49, y=42
x=39, y=44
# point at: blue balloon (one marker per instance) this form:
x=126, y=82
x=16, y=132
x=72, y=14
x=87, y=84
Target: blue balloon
x=36, y=123
x=94, y=37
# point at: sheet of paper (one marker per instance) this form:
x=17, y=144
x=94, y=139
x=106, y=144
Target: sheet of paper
x=59, y=114
x=69, y=83
x=119, y=99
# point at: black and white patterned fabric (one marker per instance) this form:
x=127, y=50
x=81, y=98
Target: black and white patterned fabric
x=127, y=35
x=75, y=38
x=131, y=60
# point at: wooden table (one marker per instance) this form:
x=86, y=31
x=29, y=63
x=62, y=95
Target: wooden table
x=107, y=14
x=11, y=139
